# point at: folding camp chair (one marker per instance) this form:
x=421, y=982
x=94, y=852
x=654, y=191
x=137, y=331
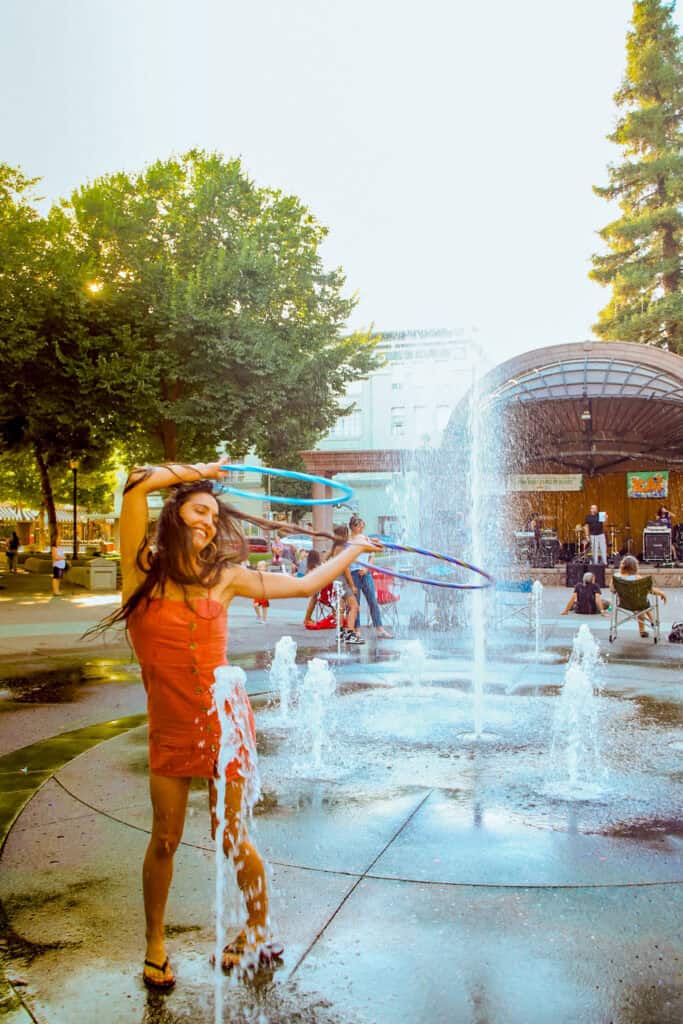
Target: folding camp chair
x=387, y=599
x=633, y=598
x=324, y=614
x=513, y=602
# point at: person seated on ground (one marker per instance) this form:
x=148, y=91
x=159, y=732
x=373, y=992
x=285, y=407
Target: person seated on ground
x=628, y=571
x=587, y=598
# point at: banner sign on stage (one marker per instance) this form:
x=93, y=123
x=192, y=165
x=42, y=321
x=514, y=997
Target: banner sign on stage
x=648, y=485
x=545, y=482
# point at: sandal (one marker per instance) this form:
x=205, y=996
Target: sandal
x=238, y=950
x=383, y=634
x=162, y=984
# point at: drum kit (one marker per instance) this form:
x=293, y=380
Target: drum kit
x=538, y=546
x=615, y=544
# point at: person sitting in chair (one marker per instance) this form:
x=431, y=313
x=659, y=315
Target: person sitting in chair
x=628, y=571
x=587, y=598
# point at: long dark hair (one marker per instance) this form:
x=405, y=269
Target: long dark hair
x=171, y=555
x=339, y=541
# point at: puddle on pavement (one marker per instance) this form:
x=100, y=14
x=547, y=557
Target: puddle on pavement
x=647, y=830
x=18, y=951
x=64, y=685
x=658, y=712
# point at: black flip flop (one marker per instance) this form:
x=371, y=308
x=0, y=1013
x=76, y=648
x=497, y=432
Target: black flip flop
x=165, y=983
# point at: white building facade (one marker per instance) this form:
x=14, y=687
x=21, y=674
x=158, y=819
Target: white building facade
x=405, y=404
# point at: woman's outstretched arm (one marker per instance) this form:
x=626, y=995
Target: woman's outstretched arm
x=245, y=583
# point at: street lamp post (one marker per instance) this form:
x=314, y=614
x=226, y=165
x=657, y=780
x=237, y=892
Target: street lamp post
x=73, y=465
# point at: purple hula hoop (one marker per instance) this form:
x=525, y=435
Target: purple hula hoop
x=489, y=580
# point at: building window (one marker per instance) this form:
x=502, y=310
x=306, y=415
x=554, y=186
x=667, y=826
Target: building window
x=396, y=385
x=348, y=426
x=398, y=420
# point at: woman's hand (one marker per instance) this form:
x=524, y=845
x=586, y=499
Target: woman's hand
x=365, y=543
x=211, y=470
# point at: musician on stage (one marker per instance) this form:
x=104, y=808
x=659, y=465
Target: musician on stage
x=664, y=516
x=594, y=527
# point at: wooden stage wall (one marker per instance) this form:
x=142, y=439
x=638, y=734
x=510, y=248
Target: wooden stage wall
x=564, y=509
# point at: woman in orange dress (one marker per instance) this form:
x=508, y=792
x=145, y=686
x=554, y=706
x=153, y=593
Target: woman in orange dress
x=175, y=597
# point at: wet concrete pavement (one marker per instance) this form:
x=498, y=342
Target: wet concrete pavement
x=419, y=881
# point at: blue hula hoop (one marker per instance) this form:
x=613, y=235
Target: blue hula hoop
x=289, y=474
x=488, y=579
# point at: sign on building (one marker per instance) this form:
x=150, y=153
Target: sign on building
x=648, y=485
x=545, y=482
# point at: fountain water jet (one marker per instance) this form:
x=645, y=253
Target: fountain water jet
x=477, y=530
x=537, y=603
x=413, y=661
x=577, y=771
x=284, y=674
x=318, y=689
x=337, y=597
x=237, y=742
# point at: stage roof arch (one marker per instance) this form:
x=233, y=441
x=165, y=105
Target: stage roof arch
x=590, y=406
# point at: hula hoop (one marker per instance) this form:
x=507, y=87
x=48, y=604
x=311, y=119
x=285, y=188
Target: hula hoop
x=288, y=474
x=489, y=580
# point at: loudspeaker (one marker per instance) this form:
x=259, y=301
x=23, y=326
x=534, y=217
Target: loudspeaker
x=656, y=547
x=550, y=549
x=575, y=571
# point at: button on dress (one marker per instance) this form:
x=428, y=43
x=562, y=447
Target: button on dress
x=179, y=646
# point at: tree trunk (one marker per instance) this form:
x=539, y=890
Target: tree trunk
x=46, y=488
x=671, y=283
x=169, y=440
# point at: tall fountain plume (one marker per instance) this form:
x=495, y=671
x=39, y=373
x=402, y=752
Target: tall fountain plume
x=452, y=500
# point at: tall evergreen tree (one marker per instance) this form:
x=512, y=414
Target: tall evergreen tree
x=643, y=265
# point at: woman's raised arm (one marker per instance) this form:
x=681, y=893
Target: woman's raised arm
x=134, y=514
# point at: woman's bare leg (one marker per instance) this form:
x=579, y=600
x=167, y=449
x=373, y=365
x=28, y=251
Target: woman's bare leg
x=352, y=613
x=251, y=874
x=169, y=803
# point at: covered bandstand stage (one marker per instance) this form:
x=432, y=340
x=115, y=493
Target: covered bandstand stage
x=580, y=422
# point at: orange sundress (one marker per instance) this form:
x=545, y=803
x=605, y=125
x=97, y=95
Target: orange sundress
x=179, y=646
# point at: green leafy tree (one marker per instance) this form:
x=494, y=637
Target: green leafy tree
x=643, y=265
x=233, y=330
x=55, y=403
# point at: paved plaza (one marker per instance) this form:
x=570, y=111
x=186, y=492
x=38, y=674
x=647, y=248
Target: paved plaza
x=416, y=876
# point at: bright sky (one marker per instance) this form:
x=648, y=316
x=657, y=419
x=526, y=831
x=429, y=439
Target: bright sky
x=449, y=146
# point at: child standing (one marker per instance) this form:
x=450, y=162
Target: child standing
x=262, y=604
